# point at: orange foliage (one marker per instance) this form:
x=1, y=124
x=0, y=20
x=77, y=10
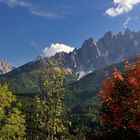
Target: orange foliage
x=118, y=76
x=133, y=82
x=120, y=98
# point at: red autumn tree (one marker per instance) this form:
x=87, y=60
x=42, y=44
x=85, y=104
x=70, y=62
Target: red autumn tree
x=120, y=98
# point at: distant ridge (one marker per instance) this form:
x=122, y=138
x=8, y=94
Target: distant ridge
x=5, y=67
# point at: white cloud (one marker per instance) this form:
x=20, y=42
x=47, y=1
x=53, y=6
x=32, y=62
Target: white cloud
x=55, y=48
x=121, y=6
x=125, y=25
x=33, y=9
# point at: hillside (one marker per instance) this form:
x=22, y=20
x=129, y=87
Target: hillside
x=82, y=96
x=89, y=86
x=28, y=79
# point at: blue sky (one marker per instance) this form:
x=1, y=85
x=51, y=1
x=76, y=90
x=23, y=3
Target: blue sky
x=28, y=26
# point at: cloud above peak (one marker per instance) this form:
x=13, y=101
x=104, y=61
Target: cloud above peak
x=121, y=7
x=56, y=48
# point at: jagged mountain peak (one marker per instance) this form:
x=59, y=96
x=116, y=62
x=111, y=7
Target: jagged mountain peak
x=110, y=49
x=108, y=34
x=129, y=34
x=91, y=42
x=128, y=31
x=5, y=67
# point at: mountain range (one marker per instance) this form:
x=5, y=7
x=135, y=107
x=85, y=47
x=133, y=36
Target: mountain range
x=108, y=50
x=92, y=56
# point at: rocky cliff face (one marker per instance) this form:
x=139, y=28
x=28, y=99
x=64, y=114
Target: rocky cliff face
x=94, y=55
x=5, y=67
x=116, y=48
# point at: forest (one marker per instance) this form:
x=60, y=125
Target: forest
x=114, y=113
